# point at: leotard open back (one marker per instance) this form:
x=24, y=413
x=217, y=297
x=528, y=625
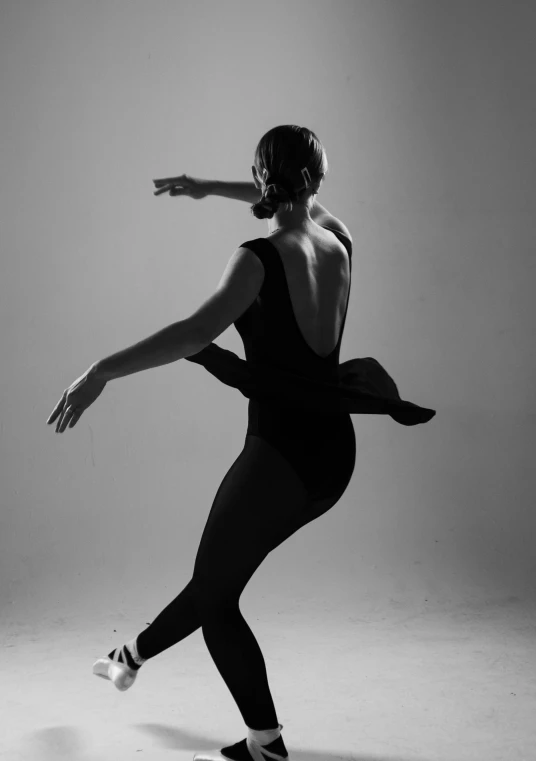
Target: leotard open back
x=319, y=444
x=300, y=402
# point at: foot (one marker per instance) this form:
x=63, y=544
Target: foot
x=252, y=748
x=121, y=666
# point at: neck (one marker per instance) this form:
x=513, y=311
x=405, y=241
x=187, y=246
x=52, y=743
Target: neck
x=297, y=219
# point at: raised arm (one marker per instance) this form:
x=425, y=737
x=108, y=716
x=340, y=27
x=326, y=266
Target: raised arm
x=247, y=191
x=186, y=185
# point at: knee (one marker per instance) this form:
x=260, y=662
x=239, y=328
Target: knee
x=212, y=596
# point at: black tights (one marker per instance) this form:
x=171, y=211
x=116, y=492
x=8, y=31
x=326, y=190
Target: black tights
x=260, y=503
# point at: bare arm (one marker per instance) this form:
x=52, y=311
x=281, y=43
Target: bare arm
x=247, y=191
x=237, y=191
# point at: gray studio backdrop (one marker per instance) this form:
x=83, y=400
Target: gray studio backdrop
x=427, y=113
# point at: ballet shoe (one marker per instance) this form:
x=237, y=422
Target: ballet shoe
x=120, y=674
x=217, y=755
x=249, y=749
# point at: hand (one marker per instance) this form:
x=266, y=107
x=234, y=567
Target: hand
x=185, y=185
x=78, y=397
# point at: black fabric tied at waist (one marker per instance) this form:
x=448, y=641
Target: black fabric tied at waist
x=364, y=387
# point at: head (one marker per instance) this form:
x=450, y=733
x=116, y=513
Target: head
x=279, y=158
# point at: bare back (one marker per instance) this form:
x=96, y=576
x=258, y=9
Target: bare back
x=317, y=270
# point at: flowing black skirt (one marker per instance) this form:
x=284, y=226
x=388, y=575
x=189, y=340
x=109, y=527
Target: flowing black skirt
x=359, y=386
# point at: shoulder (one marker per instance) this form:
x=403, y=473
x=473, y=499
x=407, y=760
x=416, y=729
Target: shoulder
x=325, y=219
x=338, y=228
x=247, y=259
x=251, y=253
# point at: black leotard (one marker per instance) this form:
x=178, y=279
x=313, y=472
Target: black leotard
x=281, y=367
x=319, y=444
x=297, y=460
x=300, y=402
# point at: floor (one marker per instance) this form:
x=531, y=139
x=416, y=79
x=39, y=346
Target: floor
x=435, y=686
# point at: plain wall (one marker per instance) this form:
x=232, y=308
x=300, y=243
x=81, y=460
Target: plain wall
x=427, y=113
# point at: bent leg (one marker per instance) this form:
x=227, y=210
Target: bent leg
x=180, y=618
x=259, y=499
x=252, y=473
x=259, y=504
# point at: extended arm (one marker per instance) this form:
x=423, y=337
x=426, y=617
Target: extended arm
x=174, y=342
x=246, y=191
x=237, y=191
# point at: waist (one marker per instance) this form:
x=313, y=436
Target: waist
x=297, y=422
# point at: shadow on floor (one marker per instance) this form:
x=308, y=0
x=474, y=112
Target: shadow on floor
x=66, y=742
x=173, y=738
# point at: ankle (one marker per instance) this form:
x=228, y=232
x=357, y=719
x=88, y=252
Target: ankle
x=265, y=736
x=133, y=648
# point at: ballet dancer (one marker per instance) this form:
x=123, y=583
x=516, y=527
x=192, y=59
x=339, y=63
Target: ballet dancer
x=287, y=295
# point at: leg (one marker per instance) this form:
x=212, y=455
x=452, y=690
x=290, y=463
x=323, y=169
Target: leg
x=259, y=504
x=258, y=501
x=176, y=622
x=181, y=617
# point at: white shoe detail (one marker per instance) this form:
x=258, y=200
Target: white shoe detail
x=254, y=747
x=120, y=674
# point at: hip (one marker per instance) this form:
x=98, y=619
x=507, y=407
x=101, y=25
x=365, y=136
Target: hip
x=321, y=448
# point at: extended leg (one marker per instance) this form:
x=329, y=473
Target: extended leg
x=177, y=621
x=181, y=617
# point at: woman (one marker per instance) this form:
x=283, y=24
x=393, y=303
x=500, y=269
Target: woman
x=287, y=296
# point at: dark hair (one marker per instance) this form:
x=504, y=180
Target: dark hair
x=283, y=152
